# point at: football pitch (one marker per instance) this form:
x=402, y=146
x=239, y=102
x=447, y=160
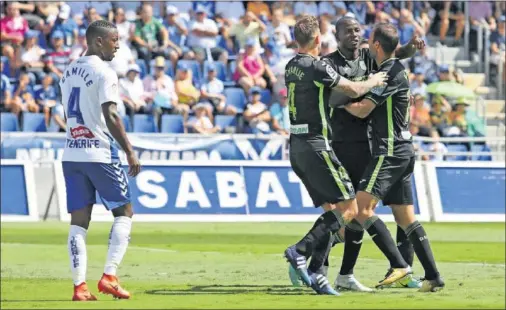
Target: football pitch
x=238, y=265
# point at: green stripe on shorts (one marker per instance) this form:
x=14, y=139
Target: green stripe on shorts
x=335, y=174
x=374, y=175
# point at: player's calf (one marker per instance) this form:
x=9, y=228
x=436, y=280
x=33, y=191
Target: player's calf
x=404, y=216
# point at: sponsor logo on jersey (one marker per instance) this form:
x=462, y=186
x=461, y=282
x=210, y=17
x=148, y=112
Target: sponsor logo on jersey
x=330, y=71
x=81, y=132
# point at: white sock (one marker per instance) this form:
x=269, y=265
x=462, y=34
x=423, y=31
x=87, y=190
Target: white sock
x=118, y=243
x=77, y=253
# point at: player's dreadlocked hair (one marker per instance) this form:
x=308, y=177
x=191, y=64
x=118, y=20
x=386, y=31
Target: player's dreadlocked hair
x=305, y=29
x=98, y=28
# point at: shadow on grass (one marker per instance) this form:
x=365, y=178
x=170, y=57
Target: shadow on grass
x=230, y=289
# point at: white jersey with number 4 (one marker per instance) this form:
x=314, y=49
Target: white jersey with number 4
x=87, y=83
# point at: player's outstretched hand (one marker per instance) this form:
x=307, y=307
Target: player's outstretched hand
x=379, y=78
x=418, y=42
x=133, y=164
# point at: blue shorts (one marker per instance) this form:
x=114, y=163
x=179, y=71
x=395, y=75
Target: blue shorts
x=83, y=180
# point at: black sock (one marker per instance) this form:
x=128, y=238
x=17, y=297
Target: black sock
x=381, y=236
x=405, y=246
x=329, y=222
x=353, y=242
x=420, y=242
x=320, y=254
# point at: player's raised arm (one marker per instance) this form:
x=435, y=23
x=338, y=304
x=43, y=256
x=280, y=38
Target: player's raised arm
x=358, y=89
x=109, y=97
x=328, y=76
x=409, y=49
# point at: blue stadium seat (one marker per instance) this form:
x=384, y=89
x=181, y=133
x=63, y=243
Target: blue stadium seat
x=481, y=148
x=236, y=97
x=221, y=70
x=225, y=121
x=127, y=123
x=266, y=96
x=172, y=124
x=142, y=66
x=34, y=122
x=144, y=123
x=8, y=122
x=456, y=148
x=196, y=71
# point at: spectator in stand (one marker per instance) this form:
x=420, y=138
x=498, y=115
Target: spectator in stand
x=498, y=43
x=57, y=121
x=45, y=96
x=305, y=7
x=203, y=36
x=80, y=47
x=257, y=114
x=23, y=96
x=230, y=10
x=187, y=93
x=66, y=25
x=91, y=15
x=458, y=118
x=418, y=85
x=208, y=6
x=329, y=9
x=151, y=39
x=31, y=56
x=280, y=114
x=12, y=32
x=259, y=8
x=275, y=63
x=125, y=27
x=132, y=92
x=5, y=90
x=212, y=91
x=451, y=14
x=408, y=27
x=184, y=8
x=249, y=28
x=287, y=8
x=428, y=66
x=359, y=10
x=420, y=116
x=177, y=28
x=479, y=12
x=159, y=90
x=250, y=68
x=278, y=31
x=57, y=58
x=328, y=36
x=444, y=73
x=202, y=123
x=104, y=8
x=440, y=115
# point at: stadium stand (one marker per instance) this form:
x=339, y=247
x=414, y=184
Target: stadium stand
x=470, y=53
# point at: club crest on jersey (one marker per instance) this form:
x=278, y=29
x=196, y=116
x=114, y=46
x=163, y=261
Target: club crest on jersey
x=81, y=132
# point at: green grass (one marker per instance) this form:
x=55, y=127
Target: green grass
x=238, y=265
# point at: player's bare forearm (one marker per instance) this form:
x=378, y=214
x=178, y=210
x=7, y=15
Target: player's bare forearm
x=115, y=125
x=359, y=109
x=354, y=89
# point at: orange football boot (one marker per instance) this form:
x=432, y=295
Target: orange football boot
x=110, y=285
x=81, y=293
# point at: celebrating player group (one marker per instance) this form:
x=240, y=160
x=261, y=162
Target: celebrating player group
x=349, y=144
x=351, y=147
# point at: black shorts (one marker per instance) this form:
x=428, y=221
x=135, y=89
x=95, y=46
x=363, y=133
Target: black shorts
x=322, y=174
x=388, y=178
x=354, y=156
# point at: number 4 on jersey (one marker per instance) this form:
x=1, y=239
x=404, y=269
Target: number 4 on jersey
x=74, y=111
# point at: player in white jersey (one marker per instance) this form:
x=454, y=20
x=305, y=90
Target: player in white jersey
x=90, y=160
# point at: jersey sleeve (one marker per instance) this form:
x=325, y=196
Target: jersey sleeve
x=108, y=88
x=380, y=94
x=326, y=74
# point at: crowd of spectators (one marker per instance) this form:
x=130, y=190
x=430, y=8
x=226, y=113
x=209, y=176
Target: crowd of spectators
x=180, y=57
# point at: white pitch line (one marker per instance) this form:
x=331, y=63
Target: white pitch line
x=140, y=248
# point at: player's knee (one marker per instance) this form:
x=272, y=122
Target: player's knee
x=125, y=210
